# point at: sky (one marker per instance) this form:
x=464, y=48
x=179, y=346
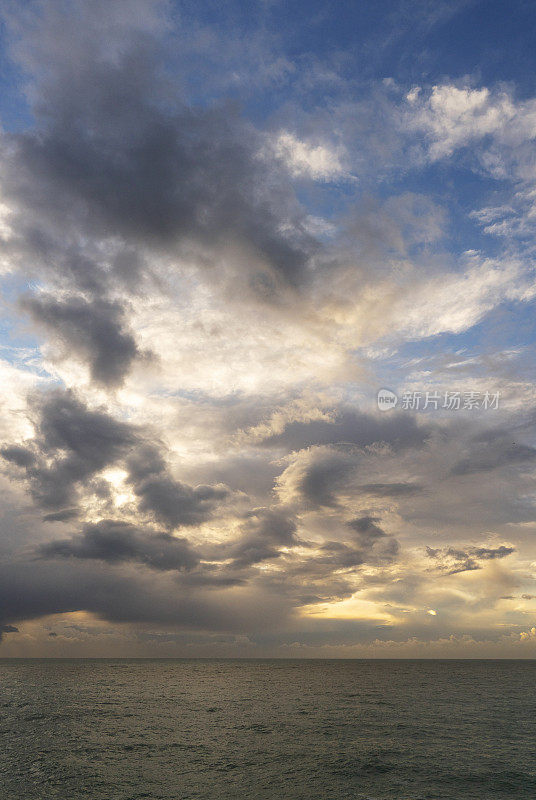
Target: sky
x=267, y=338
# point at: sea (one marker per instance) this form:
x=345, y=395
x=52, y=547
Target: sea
x=267, y=729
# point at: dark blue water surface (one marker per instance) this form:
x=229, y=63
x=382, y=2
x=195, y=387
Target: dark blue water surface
x=211, y=729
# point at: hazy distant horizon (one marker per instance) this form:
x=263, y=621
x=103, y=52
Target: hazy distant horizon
x=244, y=658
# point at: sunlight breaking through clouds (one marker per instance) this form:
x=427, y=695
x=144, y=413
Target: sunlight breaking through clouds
x=215, y=250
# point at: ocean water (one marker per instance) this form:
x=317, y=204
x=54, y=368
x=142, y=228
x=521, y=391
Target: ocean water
x=302, y=730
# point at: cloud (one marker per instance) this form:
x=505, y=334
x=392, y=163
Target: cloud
x=325, y=474
x=305, y=160
x=7, y=629
x=263, y=534
x=74, y=444
x=370, y=545
x=93, y=329
x=486, y=553
x=452, y=117
x=451, y=302
x=61, y=516
x=493, y=450
x=130, y=594
x=115, y=154
x=499, y=128
x=453, y=561
x=213, y=302
x=390, y=489
x=170, y=501
x=373, y=539
x=346, y=425
x=122, y=181
x=318, y=476
x=18, y=455
x=115, y=541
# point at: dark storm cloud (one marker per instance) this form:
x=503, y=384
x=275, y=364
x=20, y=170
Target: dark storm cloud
x=390, y=489
x=64, y=423
x=366, y=531
x=491, y=450
x=18, y=455
x=119, y=165
x=339, y=555
x=353, y=427
x=175, y=503
x=209, y=576
x=160, y=179
x=452, y=560
x=325, y=571
x=168, y=500
x=105, y=569
x=326, y=577
x=93, y=329
x=154, y=176
x=323, y=477
x=129, y=593
x=303, y=571
x=272, y=524
x=62, y=516
x=264, y=533
x=117, y=152
x=115, y=541
x=331, y=471
x=370, y=544
x=73, y=444
x=486, y=553
x=7, y=629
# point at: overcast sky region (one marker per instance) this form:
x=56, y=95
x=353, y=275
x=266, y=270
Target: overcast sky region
x=224, y=227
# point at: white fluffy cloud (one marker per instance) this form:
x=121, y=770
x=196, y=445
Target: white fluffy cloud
x=304, y=159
